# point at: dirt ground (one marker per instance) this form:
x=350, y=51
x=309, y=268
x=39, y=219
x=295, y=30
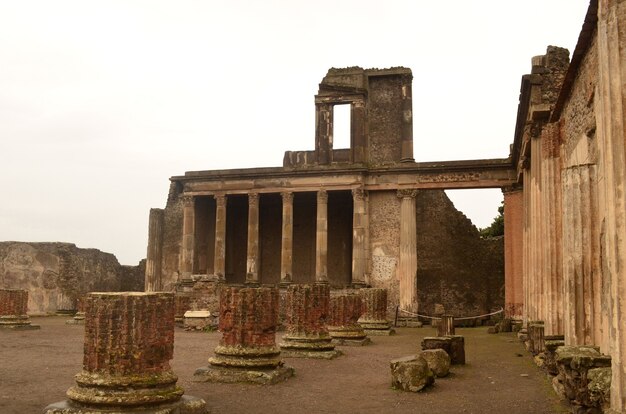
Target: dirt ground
x=37, y=367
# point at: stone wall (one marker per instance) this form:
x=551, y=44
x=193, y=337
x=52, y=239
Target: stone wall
x=55, y=274
x=455, y=267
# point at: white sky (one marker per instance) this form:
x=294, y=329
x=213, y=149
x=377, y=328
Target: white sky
x=102, y=101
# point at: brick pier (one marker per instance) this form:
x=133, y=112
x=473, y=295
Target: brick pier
x=247, y=351
x=129, y=341
x=13, y=308
x=345, y=311
x=374, y=319
x=307, y=313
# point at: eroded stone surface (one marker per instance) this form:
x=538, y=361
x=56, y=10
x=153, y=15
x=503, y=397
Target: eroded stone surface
x=438, y=361
x=344, y=312
x=13, y=308
x=411, y=373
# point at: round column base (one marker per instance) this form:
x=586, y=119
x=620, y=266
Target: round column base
x=17, y=322
x=246, y=357
x=306, y=347
x=186, y=405
x=222, y=374
x=125, y=391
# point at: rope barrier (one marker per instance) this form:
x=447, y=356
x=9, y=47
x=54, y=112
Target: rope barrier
x=455, y=318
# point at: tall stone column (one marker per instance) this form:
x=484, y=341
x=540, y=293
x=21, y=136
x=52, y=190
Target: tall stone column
x=187, y=251
x=220, y=237
x=321, y=238
x=513, y=252
x=323, y=132
x=581, y=263
x=129, y=341
x=551, y=212
x=526, y=252
x=286, y=255
x=359, y=259
x=407, y=267
x=153, y=281
x=610, y=132
x=252, y=263
x=407, y=119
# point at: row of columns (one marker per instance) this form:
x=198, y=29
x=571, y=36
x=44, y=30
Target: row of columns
x=359, y=244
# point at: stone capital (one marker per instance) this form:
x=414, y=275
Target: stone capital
x=253, y=199
x=287, y=197
x=407, y=193
x=513, y=188
x=358, y=194
x=220, y=200
x=187, y=200
x=322, y=196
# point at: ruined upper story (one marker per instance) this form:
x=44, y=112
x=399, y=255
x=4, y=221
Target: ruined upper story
x=381, y=119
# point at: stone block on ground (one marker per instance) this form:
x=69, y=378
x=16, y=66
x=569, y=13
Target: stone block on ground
x=200, y=320
x=438, y=361
x=411, y=373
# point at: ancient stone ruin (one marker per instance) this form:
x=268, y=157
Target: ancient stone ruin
x=13, y=310
x=343, y=326
x=129, y=341
x=247, y=351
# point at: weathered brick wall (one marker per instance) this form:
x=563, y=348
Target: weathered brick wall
x=56, y=274
x=172, y=231
x=456, y=268
x=384, y=218
x=307, y=308
x=344, y=310
x=385, y=119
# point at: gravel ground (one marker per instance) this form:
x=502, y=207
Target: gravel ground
x=37, y=367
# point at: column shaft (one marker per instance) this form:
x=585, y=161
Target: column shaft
x=321, y=239
x=407, y=267
x=153, y=281
x=186, y=266
x=252, y=262
x=286, y=256
x=358, y=237
x=513, y=253
x=220, y=236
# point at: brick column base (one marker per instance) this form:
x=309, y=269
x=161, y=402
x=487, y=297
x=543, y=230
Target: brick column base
x=374, y=319
x=343, y=327
x=13, y=307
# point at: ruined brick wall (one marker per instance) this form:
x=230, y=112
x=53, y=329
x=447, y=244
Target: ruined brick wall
x=55, y=274
x=172, y=230
x=385, y=121
x=455, y=267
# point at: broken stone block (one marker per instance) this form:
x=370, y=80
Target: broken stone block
x=13, y=308
x=438, y=361
x=457, y=349
x=200, y=320
x=436, y=342
x=599, y=387
x=550, y=356
x=247, y=351
x=131, y=375
x=446, y=325
x=505, y=325
x=493, y=329
x=411, y=373
x=574, y=364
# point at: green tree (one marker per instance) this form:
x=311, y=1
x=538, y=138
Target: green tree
x=497, y=226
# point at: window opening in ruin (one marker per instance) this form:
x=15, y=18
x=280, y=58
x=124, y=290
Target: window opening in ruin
x=341, y=126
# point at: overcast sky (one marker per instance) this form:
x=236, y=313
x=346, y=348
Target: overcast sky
x=102, y=101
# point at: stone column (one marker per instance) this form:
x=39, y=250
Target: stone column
x=129, y=341
x=220, y=237
x=153, y=281
x=187, y=250
x=581, y=260
x=446, y=326
x=323, y=132
x=374, y=319
x=343, y=326
x=407, y=267
x=513, y=252
x=307, y=312
x=551, y=233
x=247, y=351
x=358, y=237
x=407, y=119
x=321, y=238
x=286, y=256
x=252, y=264
x=611, y=129
x=13, y=309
